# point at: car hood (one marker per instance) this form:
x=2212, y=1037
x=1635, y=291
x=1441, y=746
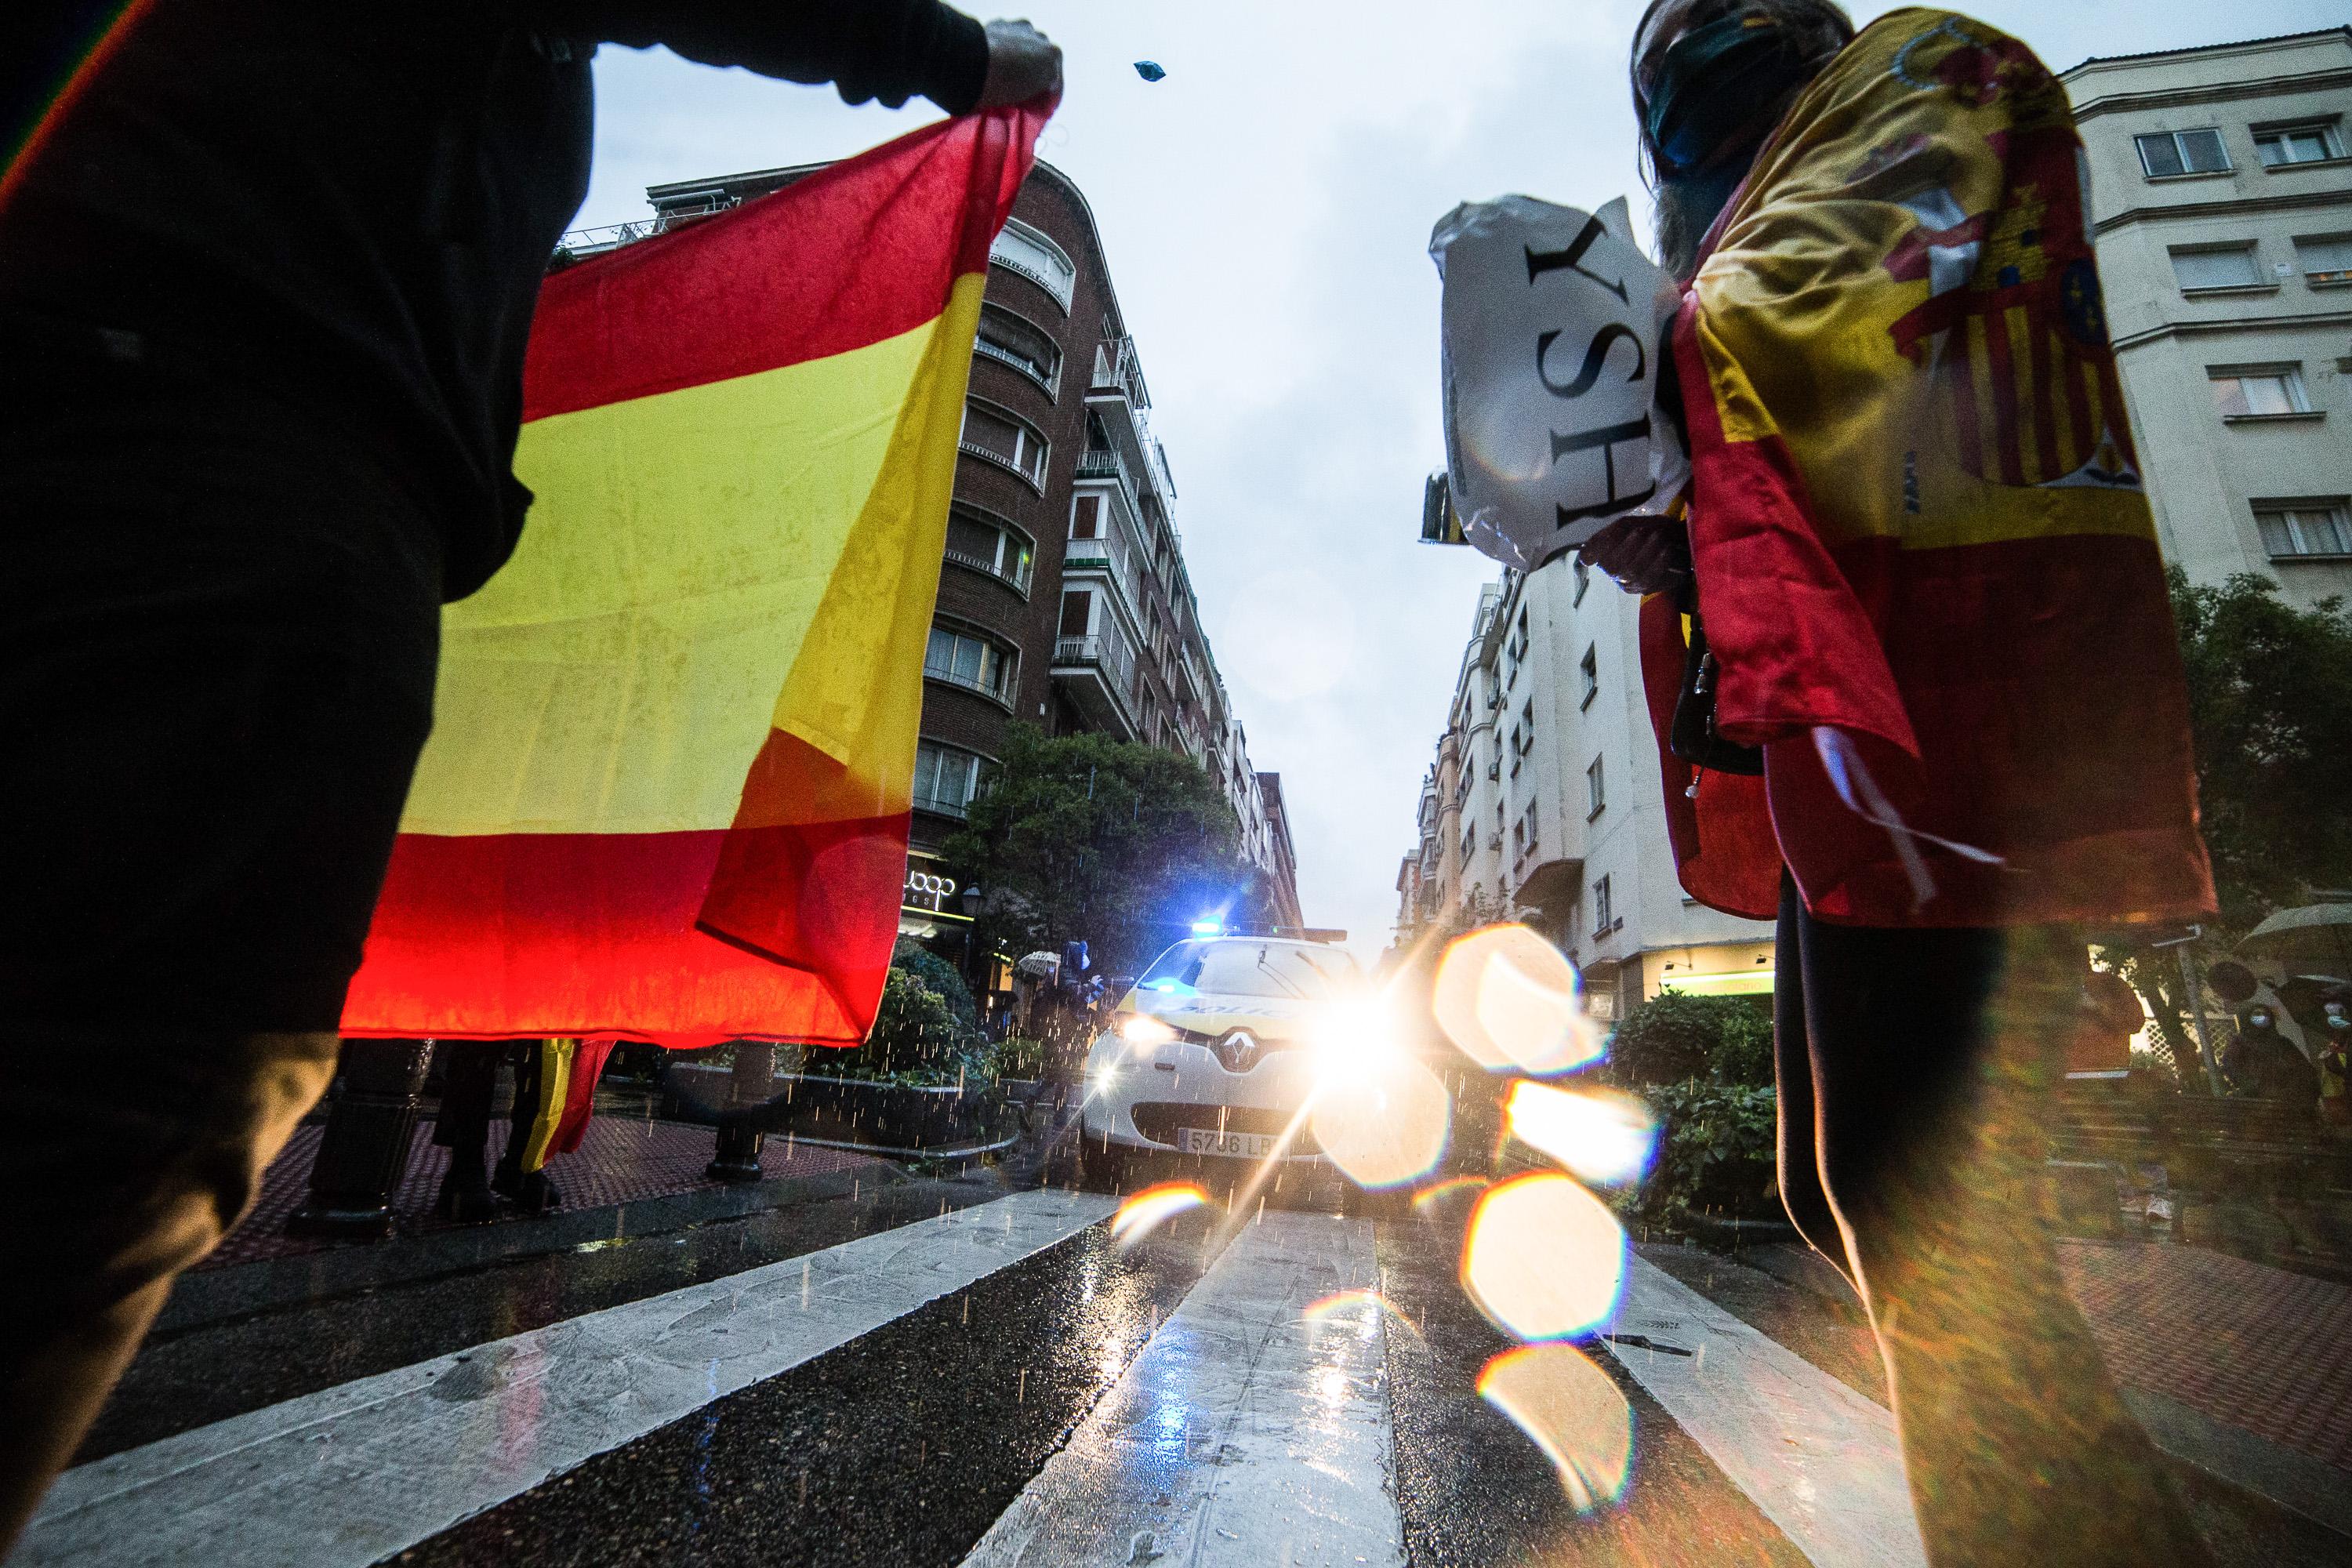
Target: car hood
x=1269, y=1017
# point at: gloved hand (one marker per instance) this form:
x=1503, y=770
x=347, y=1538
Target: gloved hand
x=1023, y=64
x=1645, y=555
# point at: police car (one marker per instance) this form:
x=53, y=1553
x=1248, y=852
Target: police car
x=1215, y=1052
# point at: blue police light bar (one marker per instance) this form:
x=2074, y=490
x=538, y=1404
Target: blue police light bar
x=1211, y=926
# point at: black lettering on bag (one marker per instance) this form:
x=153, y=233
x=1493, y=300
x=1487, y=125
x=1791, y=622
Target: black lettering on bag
x=1595, y=356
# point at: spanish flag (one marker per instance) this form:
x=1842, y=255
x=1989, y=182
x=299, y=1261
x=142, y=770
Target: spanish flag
x=1917, y=519
x=667, y=790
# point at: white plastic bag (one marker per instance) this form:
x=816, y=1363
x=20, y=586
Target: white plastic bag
x=1553, y=325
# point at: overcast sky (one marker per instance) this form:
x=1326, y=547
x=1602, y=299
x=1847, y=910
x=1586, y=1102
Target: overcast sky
x=1267, y=211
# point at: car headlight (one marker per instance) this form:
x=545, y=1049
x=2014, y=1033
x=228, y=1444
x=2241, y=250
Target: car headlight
x=1143, y=1029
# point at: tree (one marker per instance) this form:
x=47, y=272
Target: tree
x=1108, y=842
x=2270, y=706
x=2270, y=710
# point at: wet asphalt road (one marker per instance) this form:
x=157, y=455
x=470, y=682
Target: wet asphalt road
x=901, y=1447
x=906, y=1444
x=189, y=1378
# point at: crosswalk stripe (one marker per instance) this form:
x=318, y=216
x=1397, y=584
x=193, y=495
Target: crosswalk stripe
x=1820, y=1461
x=353, y=1474
x=1244, y=1433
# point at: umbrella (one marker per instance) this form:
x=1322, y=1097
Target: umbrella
x=1039, y=965
x=1149, y=70
x=2314, y=934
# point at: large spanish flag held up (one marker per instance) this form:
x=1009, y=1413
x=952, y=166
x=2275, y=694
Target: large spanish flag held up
x=1918, y=521
x=669, y=786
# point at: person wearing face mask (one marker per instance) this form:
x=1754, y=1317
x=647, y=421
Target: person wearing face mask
x=2262, y=1063
x=1942, y=724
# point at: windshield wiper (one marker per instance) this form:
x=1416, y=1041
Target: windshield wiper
x=1279, y=978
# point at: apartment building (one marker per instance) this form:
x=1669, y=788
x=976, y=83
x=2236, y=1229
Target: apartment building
x=1543, y=803
x=1064, y=597
x=2222, y=202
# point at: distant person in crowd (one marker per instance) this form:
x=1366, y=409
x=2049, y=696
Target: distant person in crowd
x=2335, y=1064
x=1945, y=720
x=267, y=273
x=2262, y=1063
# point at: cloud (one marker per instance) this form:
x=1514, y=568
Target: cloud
x=1266, y=211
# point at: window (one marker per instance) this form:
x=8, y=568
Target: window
x=947, y=778
x=987, y=543
x=1020, y=344
x=1077, y=613
x=2278, y=145
x=2324, y=257
x=1588, y=671
x=2304, y=528
x=1027, y=251
x=2165, y=153
x=1604, y=915
x=1529, y=833
x=1518, y=750
x=1004, y=437
x=1596, y=793
x=1469, y=843
x=1583, y=580
x=2228, y=267
x=962, y=658
x=2259, y=391
x=1527, y=718
x=1085, y=517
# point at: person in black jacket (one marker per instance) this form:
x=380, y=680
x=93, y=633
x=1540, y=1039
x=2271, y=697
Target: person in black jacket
x=267, y=273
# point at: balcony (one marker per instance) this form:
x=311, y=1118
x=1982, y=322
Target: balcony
x=1551, y=886
x=1120, y=370
x=1098, y=673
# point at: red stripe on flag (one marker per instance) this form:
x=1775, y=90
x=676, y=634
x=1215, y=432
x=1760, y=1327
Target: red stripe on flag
x=2045, y=413
x=746, y=291
x=581, y=933
x=2003, y=374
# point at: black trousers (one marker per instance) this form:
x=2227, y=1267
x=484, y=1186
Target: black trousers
x=217, y=677
x=1916, y=1068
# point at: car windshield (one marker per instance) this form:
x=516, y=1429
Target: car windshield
x=1247, y=968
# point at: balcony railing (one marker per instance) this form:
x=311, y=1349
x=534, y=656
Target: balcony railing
x=1118, y=368
x=1017, y=577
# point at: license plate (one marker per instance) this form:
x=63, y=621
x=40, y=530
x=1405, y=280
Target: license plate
x=1202, y=1141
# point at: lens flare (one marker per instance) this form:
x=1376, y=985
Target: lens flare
x=1545, y=1258
x=1571, y=1410
x=1510, y=999
x=1438, y=1192
x=1153, y=1207
x=1382, y=1120
x=1600, y=1134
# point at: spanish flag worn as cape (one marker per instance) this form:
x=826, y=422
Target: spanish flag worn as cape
x=667, y=790
x=1917, y=518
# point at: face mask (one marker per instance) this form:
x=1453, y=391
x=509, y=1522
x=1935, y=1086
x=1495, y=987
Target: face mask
x=1712, y=84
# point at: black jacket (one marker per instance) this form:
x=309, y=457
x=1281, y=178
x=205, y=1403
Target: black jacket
x=344, y=210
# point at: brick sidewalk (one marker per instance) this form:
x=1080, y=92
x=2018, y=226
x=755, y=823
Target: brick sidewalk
x=2256, y=1347
x=622, y=1160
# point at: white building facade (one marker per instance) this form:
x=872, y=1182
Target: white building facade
x=1544, y=803
x=2221, y=200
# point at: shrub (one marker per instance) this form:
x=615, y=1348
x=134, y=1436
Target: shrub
x=1704, y=1065
x=941, y=976
x=1673, y=1037
x=1715, y=1153
x=915, y=1037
